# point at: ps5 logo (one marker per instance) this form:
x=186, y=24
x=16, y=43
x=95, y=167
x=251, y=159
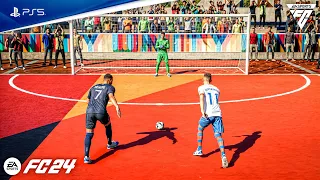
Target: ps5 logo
x=26, y=11
x=302, y=11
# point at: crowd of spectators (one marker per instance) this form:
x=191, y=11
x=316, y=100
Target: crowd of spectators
x=133, y=24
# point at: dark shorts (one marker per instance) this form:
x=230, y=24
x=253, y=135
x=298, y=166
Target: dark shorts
x=91, y=119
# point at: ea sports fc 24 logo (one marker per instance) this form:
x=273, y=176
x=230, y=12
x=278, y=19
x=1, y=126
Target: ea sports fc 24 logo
x=12, y=166
x=302, y=11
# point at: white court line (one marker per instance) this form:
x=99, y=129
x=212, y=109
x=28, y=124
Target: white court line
x=308, y=82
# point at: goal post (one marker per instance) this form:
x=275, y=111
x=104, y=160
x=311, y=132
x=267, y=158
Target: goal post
x=190, y=50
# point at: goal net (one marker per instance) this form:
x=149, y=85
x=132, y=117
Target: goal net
x=197, y=43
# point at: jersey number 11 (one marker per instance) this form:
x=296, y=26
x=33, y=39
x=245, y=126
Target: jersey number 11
x=210, y=97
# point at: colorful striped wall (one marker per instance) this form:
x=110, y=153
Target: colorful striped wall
x=146, y=42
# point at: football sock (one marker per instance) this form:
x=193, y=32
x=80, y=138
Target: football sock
x=87, y=143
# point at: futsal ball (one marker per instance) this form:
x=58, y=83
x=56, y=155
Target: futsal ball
x=159, y=125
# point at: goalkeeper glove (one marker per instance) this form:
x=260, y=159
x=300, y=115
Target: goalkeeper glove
x=161, y=46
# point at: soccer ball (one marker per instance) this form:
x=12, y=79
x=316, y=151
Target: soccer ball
x=159, y=125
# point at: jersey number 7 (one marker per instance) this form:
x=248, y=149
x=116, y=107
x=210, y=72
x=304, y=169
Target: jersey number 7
x=99, y=92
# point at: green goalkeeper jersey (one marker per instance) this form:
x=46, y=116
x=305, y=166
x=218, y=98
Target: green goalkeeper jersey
x=164, y=43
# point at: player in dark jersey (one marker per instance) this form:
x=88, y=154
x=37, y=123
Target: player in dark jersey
x=98, y=98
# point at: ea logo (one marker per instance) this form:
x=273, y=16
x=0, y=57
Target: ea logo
x=12, y=166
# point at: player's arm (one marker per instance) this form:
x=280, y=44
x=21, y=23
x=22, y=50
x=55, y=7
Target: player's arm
x=157, y=45
x=167, y=45
x=202, y=105
x=114, y=102
x=89, y=96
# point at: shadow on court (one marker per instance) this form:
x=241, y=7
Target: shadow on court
x=240, y=147
x=151, y=136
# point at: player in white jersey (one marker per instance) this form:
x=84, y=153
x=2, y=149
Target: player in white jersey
x=211, y=114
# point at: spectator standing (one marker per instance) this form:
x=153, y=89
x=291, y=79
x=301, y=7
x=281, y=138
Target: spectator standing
x=288, y=13
x=236, y=28
x=106, y=23
x=223, y=26
x=171, y=25
x=143, y=26
x=231, y=7
x=175, y=8
x=291, y=23
x=88, y=24
x=314, y=42
x=97, y=24
x=155, y=27
x=187, y=25
x=59, y=37
x=47, y=40
x=183, y=8
x=212, y=28
x=269, y=42
x=212, y=8
x=18, y=48
x=221, y=5
x=127, y=25
x=77, y=46
x=289, y=41
x=254, y=43
x=277, y=12
x=252, y=8
x=307, y=43
x=193, y=7
x=242, y=23
x=205, y=25
x=10, y=46
x=263, y=13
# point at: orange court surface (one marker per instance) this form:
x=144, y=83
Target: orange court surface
x=271, y=127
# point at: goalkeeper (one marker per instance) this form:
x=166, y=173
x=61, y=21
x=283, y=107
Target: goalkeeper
x=162, y=45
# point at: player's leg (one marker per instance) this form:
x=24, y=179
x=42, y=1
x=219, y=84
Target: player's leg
x=56, y=58
x=166, y=60
x=218, y=130
x=15, y=56
x=105, y=120
x=90, y=125
x=63, y=58
x=203, y=123
x=80, y=54
x=159, y=59
x=287, y=51
x=50, y=54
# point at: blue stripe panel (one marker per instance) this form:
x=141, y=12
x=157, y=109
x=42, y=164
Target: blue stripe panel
x=1, y=44
x=145, y=43
x=32, y=42
x=114, y=42
x=176, y=44
x=199, y=140
x=221, y=147
x=243, y=42
x=200, y=134
x=130, y=41
x=65, y=42
x=194, y=43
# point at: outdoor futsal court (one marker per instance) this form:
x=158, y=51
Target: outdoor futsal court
x=271, y=126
